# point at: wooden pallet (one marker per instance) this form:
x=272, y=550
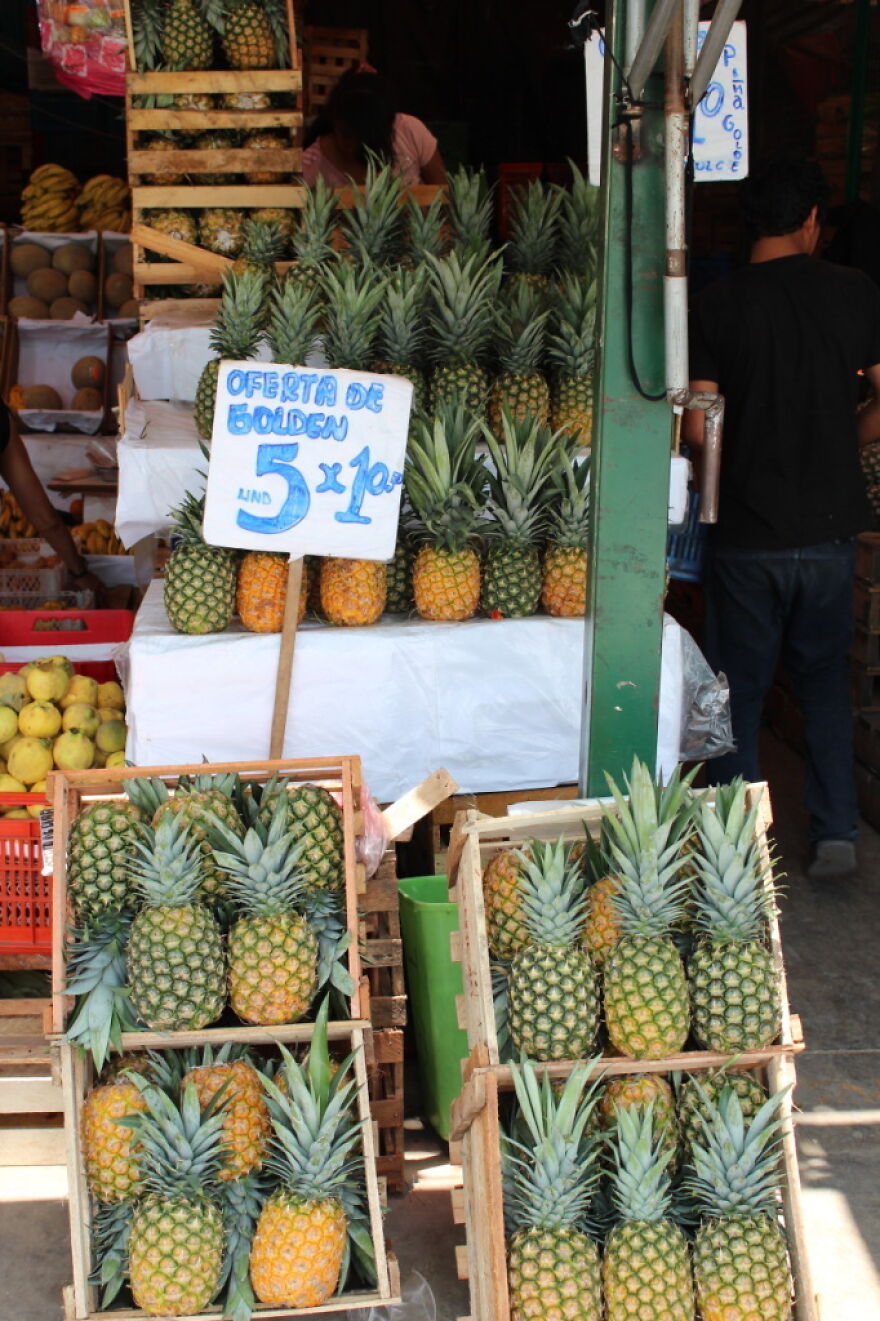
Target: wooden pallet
x=476, y=839
x=382, y=961
x=327, y=54
x=478, y=1203
x=70, y=791
x=81, y=1302
x=31, y=1100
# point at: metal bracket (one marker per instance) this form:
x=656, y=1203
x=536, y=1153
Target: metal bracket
x=713, y=406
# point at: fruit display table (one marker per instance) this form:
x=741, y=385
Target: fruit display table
x=497, y=702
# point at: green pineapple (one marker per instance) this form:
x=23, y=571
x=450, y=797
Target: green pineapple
x=187, y=39
x=100, y=847
x=399, y=599
x=314, y=819
x=646, y=1271
x=293, y=322
x=312, y=240
x=741, y=1266
x=402, y=332
x=176, y=959
x=199, y=583
x=578, y=227
x=235, y=335
x=470, y=204
x=221, y=230
x=524, y=456
x=426, y=231
x=460, y=315
x=263, y=244
x=534, y=223
x=552, y=999
x=696, y=1094
x=282, y=216
x=373, y=225
x=255, y=34
x=564, y=581
x=520, y=388
x=734, y=981
x=550, y=1172
x=176, y=1239
x=646, y=995
x=272, y=950
x=571, y=349
x=353, y=309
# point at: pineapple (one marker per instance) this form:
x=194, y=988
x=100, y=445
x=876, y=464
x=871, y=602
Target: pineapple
x=252, y=35
x=96, y=975
x=502, y=899
x=111, y=1153
x=176, y=960
x=637, y=1091
x=741, y=1267
x=564, y=581
x=734, y=982
x=373, y=225
x=398, y=578
x=176, y=224
x=261, y=591
x=353, y=592
x=300, y=1240
x=197, y=801
x=111, y=1230
x=177, y=1237
x=523, y=457
x=235, y=335
x=246, y=101
x=697, y=1094
x=646, y=1270
x=602, y=928
x=578, y=231
x=314, y=819
x=262, y=245
x=281, y=216
x=246, y=1129
x=160, y=142
x=312, y=241
x=100, y=847
x=425, y=230
x=273, y=952
x=463, y=292
x=550, y=1176
x=534, y=223
x=213, y=140
x=470, y=203
x=445, y=481
x=199, y=584
x=402, y=333
x=221, y=230
x=146, y=30
x=646, y=994
x=571, y=348
x=552, y=1000
x=293, y=318
x=266, y=140
x=520, y=389
x=187, y=39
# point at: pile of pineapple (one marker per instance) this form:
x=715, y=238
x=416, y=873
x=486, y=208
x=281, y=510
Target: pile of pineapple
x=227, y=1176
x=186, y=35
x=499, y=346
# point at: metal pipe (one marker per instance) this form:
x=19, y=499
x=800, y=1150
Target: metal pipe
x=650, y=46
x=676, y=150
x=713, y=428
x=691, y=28
x=635, y=29
x=716, y=39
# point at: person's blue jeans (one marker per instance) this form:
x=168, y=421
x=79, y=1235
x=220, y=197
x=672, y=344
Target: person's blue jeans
x=797, y=606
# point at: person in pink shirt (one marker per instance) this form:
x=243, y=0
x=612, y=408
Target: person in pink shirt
x=361, y=118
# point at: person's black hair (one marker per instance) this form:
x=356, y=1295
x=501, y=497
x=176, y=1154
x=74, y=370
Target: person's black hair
x=779, y=196
x=365, y=105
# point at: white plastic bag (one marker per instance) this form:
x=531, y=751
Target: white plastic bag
x=705, y=710
x=417, y=1304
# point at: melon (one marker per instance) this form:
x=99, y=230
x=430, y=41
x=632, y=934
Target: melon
x=83, y=285
x=25, y=306
x=117, y=289
x=72, y=257
x=28, y=257
x=42, y=397
x=64, y=308
x=88, y=399
x=123, y=260
x=130, y=309
x=47, y=284
x=88, y=371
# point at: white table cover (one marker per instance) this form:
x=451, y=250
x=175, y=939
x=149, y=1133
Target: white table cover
x=497, y=702
x=159, y=461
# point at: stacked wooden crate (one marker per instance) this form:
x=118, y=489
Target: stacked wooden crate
x=478, y=1203
x=71, y=792
x=327, y=54
x=866, y=675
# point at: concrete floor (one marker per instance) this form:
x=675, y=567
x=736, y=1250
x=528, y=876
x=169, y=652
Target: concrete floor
x=830, y=933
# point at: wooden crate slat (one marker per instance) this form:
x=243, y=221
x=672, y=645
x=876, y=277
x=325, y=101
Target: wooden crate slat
x=388, y=1045
x=388, y=1010
x=198, y=121
x=213, y=81
x=226, y=160
x=162, y=272
x=249, y=196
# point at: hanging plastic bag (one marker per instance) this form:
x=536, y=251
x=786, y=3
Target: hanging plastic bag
x=369, y=848
x=86, y=44
x=416, y=1304
x=706, y=730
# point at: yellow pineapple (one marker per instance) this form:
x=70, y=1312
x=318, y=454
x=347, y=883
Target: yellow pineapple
x=502, y=898
x=602, y=929
x=564, y=585
x=261, y=592
x=110, y=1150
x=353, y=592
x=246, y=1126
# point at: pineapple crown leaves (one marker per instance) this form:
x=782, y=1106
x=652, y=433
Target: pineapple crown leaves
x=402, y=328
x=263, y=876
x=312, y=240
x=325, y=914
x=523, y=462
x=579, y=221
x=294, y=309
x=735, y=1168
x=445, y=478
x=146, y=24
x=180, y=1143
x=470, y=204
x=568, y=517
x=499, y=973
x=263, y=241
x=520, y=328
x=425, y=232
x=276, y=14
x=97, y=976
x=241, y=1201
x=373, y=224
x=552, y=892
x=170, y=866
x=148, y=793
x=187, y=519
x=237, y=330
x=111, y=1232
x=353, y=298
x=734, y=902
x=641, y=1181
x=550, y=1169
x=571, y=333
x=534, y=223
x=460, y=311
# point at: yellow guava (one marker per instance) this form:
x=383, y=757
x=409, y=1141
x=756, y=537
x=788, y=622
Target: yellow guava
x=116, y=759
x=111, y=736
x=63, y=663
x=6, y=748
x=82, y=717
x=13, y=691
x=8, y=724
x=73, y=751
x=10, y=785
x=39, y=720
x=110, y=713
x=17, y=814
x=30, y=760
x=34, y=809
x=83, y=688
x=47, y=682
x=111, y=694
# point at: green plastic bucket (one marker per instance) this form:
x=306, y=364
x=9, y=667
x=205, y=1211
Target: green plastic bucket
x=427, y=920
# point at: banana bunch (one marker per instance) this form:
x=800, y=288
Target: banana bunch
x=97, y=538
x=105, y=203
x=48, y=203
x=13, y=522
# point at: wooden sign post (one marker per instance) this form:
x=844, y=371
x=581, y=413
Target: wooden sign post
x=307, y=461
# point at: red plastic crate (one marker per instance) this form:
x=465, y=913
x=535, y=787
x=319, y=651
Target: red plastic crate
x=25, y=893
x=18, y=628
x=103, y=671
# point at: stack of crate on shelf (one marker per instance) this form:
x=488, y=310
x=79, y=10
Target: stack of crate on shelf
x=866, y=675
x=175, y=183
x=347, y=1032
x=484, y=1102
x=327, y=54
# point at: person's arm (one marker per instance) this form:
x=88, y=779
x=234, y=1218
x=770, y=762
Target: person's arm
x=868, y=415
x=434, y=170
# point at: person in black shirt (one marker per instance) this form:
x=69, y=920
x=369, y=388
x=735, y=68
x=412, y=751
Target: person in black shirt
x=783, y=339
x=18, y=474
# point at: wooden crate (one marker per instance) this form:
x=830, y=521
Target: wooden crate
x=81, y=1301
x=866, y=602
x=327, y=54
x=381, y=954
x=70, y=791
x=476, y=839
x=478, y=1203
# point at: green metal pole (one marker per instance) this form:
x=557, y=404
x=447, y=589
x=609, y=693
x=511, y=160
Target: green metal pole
x=631, y=454
x=861, y=43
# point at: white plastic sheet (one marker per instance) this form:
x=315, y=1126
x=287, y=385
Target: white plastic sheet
x=159, y=461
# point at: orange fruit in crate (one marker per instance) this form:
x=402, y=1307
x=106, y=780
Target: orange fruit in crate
x=16, y=397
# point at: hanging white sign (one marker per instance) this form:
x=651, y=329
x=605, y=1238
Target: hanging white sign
x=305, y=460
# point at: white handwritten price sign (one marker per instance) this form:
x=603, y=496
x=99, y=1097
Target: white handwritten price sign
x=721, y=121
x=307, y=460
